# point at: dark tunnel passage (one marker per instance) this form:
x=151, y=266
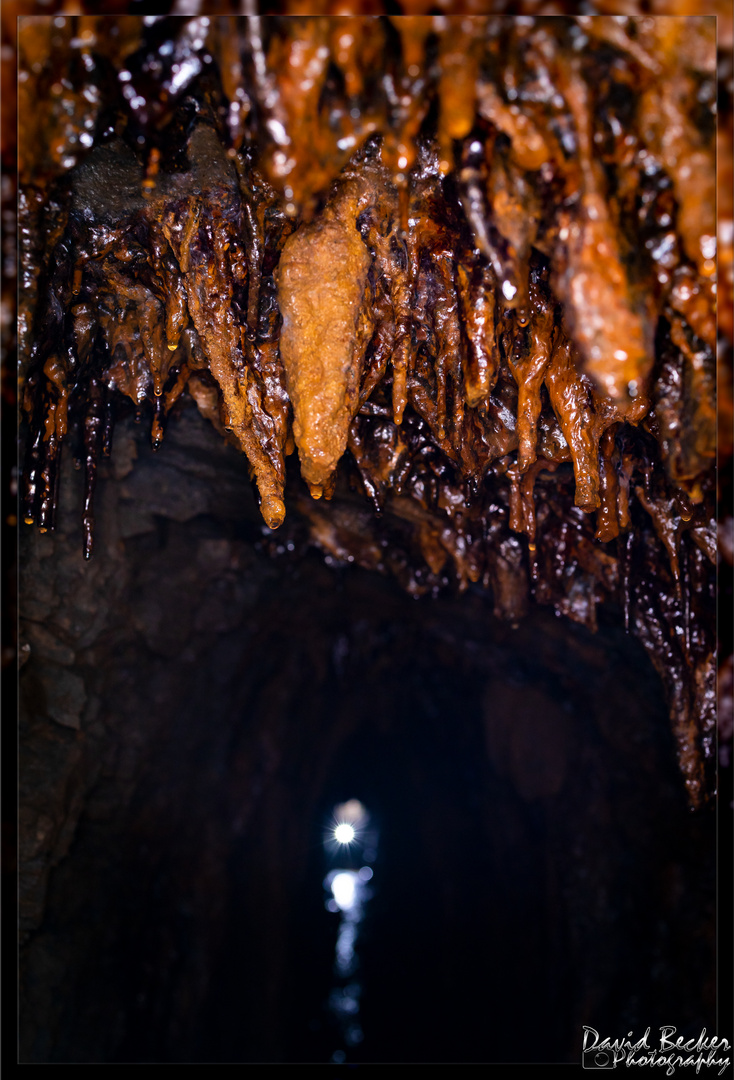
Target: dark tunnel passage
x=192, y=712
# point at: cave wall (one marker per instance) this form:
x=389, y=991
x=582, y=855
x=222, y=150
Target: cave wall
x=192, y=708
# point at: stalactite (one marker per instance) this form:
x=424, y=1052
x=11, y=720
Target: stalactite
x=459, y=263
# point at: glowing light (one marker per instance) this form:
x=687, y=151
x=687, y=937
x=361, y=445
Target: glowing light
x=347, y=824
x=344, y=833
x=344, y=889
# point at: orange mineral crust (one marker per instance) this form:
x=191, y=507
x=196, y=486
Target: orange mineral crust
x=321, y=281
x=464, y=265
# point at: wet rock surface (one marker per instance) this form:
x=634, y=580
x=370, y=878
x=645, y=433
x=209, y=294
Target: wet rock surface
x=221, y=698
x=490, y=314
x=443, y=287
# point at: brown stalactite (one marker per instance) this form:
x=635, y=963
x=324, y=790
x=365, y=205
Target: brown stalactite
x=322, y=279
x=447, y=259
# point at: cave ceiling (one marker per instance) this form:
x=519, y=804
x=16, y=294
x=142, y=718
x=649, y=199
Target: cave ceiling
x=447, y=283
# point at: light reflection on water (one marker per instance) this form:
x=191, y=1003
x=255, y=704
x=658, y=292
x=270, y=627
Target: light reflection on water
x=344, y=886
x=348, y=839
x=345, y=958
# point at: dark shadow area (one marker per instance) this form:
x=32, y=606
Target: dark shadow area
x=193, y=709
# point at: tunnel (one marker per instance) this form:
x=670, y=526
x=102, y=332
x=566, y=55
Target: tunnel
x=368, y=535
x=194, y=710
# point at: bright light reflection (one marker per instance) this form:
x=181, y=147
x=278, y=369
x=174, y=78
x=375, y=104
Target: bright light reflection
x=344, y=833
x=345, y=958
x=347, y=825
x=347, y=891
x=344, y=889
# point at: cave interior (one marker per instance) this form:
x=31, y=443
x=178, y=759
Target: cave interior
x=387, y=482
x=538, y=866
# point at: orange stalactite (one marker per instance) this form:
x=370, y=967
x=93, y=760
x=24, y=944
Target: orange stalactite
x=462, y=263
